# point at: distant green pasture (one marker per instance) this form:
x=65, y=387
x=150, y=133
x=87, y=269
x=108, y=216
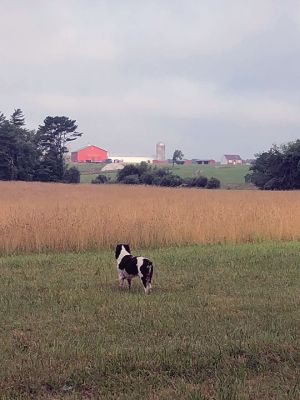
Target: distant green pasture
x=88, y=168
x=87, y=178
x=228, y=175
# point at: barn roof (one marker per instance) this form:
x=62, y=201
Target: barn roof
x=90, y=145
x=232, y=156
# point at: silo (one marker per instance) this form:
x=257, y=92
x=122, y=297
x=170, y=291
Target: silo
x=160, y=151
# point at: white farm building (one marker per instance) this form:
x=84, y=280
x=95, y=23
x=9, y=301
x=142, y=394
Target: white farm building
x=131, y=160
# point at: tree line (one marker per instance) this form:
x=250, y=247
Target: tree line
x=29, y=155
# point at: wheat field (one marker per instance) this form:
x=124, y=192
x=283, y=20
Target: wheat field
x=38, y=217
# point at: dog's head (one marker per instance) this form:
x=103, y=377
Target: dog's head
x=119, y=249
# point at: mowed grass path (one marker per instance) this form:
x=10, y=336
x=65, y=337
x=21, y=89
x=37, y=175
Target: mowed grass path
x=222, y=323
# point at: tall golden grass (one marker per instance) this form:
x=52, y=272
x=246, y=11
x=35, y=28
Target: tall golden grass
x=40, y=217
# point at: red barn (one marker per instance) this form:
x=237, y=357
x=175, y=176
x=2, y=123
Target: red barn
x=89, y=154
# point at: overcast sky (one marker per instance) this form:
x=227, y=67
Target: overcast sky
x=205, y=76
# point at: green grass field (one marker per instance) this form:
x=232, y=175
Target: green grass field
x=221, y=323
x=228, y=175
x=87, y=178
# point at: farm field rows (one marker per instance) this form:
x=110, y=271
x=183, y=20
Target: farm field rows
x=221, y=323
x=37, y=217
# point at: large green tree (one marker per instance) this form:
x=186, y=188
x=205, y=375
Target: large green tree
x=52, y=138
x=26, y=152
x=8, y=150
x=18, y=152
x=177, y=156
x=25, y=155
x=278, y=168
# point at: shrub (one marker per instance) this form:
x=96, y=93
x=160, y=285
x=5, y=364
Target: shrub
x=131, y=179
x=161, y=172
x=213, y=183
x=144, y=174
x=248, y=178
x=100, y=179
x=131, y=169
x=171, y=180
x=128, y=170
x=157, y=180
x=147, y=178
x=188, y=182
x=72, y=175
x=199, y=181
x=273, y=184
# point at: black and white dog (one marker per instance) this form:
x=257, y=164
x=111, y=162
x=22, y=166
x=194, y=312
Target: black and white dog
x=130, y=267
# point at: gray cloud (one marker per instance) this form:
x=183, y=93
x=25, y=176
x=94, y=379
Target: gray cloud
x=207, y=77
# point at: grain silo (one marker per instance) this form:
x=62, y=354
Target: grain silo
x=160, y=151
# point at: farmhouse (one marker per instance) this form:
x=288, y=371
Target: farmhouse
x=231, y=159
x=89, y=153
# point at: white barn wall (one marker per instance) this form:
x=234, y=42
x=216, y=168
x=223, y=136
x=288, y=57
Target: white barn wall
x=131, y=160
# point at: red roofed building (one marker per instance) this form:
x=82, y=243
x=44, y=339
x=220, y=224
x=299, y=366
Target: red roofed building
x=89, y=154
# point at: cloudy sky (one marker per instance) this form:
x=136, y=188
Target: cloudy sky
x=205, y=76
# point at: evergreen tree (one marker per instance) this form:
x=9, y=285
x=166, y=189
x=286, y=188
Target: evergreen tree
x=28, y=155
x=52, y=138
x=2, y=118
x=8, y=149
x=17, y=119
x=18, y=150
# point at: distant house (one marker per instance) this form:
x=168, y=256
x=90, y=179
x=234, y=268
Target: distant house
x=89, y=154
x=231, y=159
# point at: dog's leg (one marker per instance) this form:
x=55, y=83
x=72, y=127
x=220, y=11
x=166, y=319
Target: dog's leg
x=148, y=288
x=129, y=283
x=146, y=284
x=121, y=279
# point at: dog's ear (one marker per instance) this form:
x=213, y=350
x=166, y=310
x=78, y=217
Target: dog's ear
x=127, y=247
x=118, y=250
